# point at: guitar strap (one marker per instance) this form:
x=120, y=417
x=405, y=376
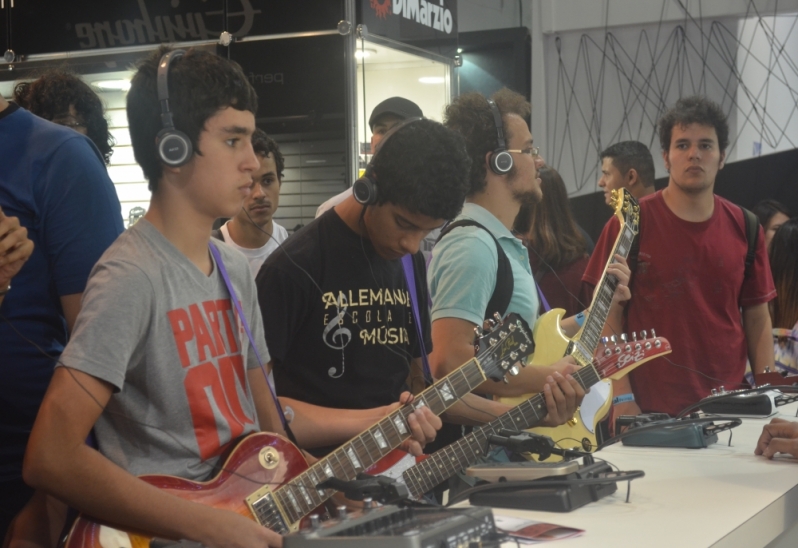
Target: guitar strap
x=410, y=277
x=503, y=290
x=243, y=318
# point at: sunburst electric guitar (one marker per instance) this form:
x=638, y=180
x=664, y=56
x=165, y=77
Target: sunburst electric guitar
x=424, y=473
x=267, y=479
x=553, y=344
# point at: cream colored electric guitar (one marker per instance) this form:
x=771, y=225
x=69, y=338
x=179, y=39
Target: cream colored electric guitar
x=552, y=344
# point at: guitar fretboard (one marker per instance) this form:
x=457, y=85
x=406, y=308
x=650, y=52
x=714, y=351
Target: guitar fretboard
x=448, y=461
x=591, y=332
x=300, y=497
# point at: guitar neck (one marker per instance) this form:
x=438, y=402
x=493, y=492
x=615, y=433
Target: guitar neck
x=299, y=497
x=588, y=340
x=448, y=461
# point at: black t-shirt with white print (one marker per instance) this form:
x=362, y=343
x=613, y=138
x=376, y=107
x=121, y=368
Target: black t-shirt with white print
x=344, y=338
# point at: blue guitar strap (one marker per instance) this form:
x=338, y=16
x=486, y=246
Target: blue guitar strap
x=410, y=277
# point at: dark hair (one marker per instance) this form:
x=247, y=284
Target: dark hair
x=471, y=116
x=51, y=95
x=548, y=226
x=694, y=110
x=783, y=255
x=766, y=209
x=263, y=145
x=628, y=155
x=423, y=167
x=200, y=84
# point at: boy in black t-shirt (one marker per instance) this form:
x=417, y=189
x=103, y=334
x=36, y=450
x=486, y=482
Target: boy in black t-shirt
x=335, y=302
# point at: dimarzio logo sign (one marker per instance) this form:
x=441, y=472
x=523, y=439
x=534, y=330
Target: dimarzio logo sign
x=161, y=28
x=435, y=16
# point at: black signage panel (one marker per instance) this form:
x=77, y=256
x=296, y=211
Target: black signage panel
x=299, y=81
x=95, y=24
x=428, y=24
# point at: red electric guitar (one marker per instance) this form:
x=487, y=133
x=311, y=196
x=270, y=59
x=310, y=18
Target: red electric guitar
x=266, y=477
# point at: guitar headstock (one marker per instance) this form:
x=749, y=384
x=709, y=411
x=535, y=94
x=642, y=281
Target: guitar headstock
x=617, y=357
x=501, y=347
x=626, y=208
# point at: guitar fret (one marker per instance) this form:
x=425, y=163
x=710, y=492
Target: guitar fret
x=288, y=505
x=372, y=446
x=348, y=470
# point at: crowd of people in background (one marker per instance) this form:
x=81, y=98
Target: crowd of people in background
x=97, y=311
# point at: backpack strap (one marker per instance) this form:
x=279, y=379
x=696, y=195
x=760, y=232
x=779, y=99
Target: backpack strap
x=751, y=233
x=503, y=290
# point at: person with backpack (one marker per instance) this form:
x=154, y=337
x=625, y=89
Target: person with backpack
x=694, y=271
x=479, y=267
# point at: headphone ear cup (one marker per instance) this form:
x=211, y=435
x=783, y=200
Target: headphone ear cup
x=365, y=191
x=501, y=162
x=174, y=147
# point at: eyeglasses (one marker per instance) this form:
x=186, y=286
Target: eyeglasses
x=532, y=151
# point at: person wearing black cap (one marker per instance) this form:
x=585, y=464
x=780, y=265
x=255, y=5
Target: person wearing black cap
x=385, y=115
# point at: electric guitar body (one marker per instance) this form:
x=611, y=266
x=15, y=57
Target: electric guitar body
x=258, y=460
x=580, y=432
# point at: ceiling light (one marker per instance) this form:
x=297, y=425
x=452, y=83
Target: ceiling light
x=112, y=85
x=432, y=79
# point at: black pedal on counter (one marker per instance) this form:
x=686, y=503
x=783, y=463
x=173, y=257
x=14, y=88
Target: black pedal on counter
x=745, y=403
x=393, y=527
x=554, y=493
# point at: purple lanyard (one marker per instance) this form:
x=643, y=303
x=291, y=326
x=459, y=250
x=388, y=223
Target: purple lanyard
x=237, y=304
x=407, y=266
x=546, y=306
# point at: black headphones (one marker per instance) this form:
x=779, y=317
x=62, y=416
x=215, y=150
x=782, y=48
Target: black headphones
x=173, y=146
x=365, y=188
x=500, y=161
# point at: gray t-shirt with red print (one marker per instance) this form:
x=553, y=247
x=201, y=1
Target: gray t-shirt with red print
x=168, y=339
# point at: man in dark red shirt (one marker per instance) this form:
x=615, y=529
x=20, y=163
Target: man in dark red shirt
x=690, y=282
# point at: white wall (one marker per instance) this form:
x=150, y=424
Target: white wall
x=613, y=66
x=767, y=106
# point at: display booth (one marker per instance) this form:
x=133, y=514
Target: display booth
x=318, y=69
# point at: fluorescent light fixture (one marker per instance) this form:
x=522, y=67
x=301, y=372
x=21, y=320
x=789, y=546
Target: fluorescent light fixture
x=365, y=53
x=112, y=85
x=432, y=79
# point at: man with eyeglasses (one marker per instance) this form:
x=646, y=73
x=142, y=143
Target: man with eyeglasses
x=478, y=259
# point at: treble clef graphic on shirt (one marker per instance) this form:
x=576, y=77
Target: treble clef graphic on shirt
x=336, y=336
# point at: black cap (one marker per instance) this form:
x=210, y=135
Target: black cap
x=398, y=106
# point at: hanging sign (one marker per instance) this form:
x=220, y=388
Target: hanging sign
x=411, y=21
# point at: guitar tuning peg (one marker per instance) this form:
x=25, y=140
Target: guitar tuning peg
x=511, y=327
x=505, y=380
x=514, y=356
x=623, y=337
x=477, y=332
x=497, y=317
x=605, y=340
x=653, y=333
x=644, y=334
x=514, y=370
x=613, y=340
x=522, y=347
x=492, y=341
x=634, y=335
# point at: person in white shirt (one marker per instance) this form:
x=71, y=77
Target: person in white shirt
x=253, y=230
